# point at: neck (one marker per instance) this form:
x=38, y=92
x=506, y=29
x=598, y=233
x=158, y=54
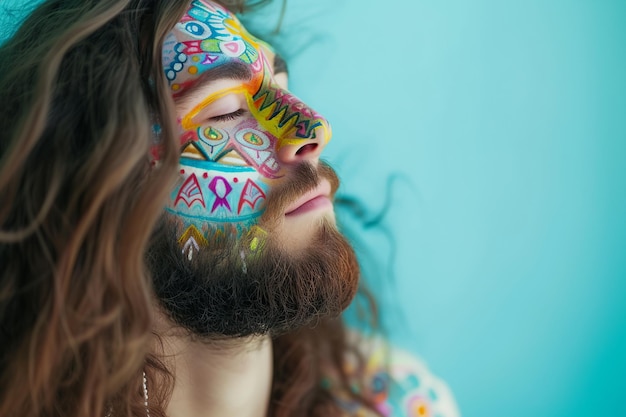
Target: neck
x=225, y=378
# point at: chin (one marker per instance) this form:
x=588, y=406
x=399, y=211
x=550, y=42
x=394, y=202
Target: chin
x=300, y=233
x=274, y=291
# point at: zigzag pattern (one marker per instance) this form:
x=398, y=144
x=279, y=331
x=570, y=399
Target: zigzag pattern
x=281, y=102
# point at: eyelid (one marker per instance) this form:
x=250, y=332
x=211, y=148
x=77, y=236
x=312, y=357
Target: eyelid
x=225, y=108
x=228, y=117
x=188, y=123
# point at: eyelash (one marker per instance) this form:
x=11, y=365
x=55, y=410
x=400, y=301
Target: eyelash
x=229, y=116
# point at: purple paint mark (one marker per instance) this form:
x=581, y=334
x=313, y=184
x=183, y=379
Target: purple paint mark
x=208, y=59
x=221, y=188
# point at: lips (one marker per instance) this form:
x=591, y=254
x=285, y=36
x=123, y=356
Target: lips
x=316, y=198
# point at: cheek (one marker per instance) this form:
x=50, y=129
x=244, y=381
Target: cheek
x=218, y=195
x=258, y=147
x=249, y=138
x=213, y=140
x=254, y=139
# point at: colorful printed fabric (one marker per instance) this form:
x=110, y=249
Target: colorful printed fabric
x=400, y=383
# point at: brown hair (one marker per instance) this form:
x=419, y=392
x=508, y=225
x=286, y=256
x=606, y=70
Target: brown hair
x=81, y=86
x=79, y=201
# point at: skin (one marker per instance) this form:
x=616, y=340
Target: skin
x=226, y=378
x=241, y=133
x=225, y=117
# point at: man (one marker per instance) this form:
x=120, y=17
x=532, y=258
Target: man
x=252, y=211
x=248, y=268
x=248, y=248
x=248, y=251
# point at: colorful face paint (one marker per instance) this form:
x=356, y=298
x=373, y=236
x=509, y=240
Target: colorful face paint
x=234, y=120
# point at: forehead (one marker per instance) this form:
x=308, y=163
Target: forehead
x=209, y=36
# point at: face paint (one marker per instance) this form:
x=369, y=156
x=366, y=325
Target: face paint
x=234, y=119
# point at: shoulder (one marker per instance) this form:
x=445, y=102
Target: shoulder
x=399, y=382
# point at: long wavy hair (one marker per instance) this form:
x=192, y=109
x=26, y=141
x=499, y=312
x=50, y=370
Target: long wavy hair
x=81, y=87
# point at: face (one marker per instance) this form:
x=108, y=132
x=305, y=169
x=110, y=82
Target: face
x=248, y=244
x=241, y=134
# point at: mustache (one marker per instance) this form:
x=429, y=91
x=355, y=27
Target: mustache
x=303, y=178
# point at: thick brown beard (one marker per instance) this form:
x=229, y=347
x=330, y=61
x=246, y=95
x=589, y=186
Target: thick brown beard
x=218, y=294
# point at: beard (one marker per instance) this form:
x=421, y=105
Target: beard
x=224, y=292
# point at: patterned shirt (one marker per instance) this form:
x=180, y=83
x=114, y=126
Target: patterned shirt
x=400, y=384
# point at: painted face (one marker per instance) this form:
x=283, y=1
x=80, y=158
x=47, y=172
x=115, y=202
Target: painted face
x=240, y=131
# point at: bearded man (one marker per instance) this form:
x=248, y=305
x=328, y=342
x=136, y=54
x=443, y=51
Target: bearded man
x=248, y=269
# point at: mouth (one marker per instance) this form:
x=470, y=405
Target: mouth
x=318, y=198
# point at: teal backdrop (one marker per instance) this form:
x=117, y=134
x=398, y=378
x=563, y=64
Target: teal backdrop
x=496, y=130
x=492, y=135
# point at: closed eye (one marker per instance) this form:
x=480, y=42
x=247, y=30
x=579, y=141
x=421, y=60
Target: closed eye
x=228, y=116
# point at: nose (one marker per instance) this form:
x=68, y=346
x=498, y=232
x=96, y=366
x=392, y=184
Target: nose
x=308, y=135
x=295, y=150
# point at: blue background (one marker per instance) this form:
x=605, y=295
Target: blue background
x=501, y=127
x=496, y=131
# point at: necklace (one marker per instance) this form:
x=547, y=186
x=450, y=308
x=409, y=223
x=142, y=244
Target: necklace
x=109, y=413
x=145, y=393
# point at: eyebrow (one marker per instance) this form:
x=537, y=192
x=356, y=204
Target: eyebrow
x=231, y=70
x=280, y=65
